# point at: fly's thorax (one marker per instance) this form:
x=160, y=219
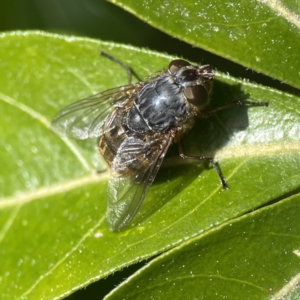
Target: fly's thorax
x=171, y=99
x=159, y=106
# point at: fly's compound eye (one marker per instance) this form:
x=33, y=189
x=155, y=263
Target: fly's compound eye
x=188, y=75
x=177, y=64
x=196, y=95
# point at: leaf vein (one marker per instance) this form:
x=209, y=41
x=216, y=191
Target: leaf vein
x=63, y=258
x=282, y=11
x=37, y=116
x=72, y=71
x=9, y=222
x=51, y=190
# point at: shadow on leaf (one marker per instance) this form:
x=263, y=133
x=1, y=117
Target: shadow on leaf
x=206, y=138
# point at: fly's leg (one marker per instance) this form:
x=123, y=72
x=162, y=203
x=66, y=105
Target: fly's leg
x=203, y=158
x=210, y=159
x=129, y=71
x=239, y=102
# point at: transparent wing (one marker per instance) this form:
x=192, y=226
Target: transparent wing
x=133, y=171
x=84, y=118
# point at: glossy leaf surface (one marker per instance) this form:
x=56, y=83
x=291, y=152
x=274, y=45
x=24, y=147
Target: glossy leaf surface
x=253, y=258
x=53, y=238
x=261, y=35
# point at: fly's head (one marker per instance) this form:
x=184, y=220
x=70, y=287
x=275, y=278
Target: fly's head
x=196, y=82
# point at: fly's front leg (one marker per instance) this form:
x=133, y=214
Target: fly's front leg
x=239, y=102
x=203, y=158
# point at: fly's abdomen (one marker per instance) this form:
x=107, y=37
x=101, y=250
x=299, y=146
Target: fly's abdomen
x=113, y=136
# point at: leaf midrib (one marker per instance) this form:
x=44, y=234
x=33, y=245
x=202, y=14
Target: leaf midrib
x=52, y=190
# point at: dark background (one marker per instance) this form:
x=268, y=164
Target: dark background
x=102, y=20
x=105, y=21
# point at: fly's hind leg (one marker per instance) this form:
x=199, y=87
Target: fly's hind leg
x=203, y=158
x=129, y=71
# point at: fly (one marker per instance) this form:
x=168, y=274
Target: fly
x=135, y=125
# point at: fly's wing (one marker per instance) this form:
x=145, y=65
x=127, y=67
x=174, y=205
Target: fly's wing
x=84, y=118
x=132, y=173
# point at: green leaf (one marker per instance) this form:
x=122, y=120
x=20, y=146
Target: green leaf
x=53, y=238
x=255, y=257
x=261, y=35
